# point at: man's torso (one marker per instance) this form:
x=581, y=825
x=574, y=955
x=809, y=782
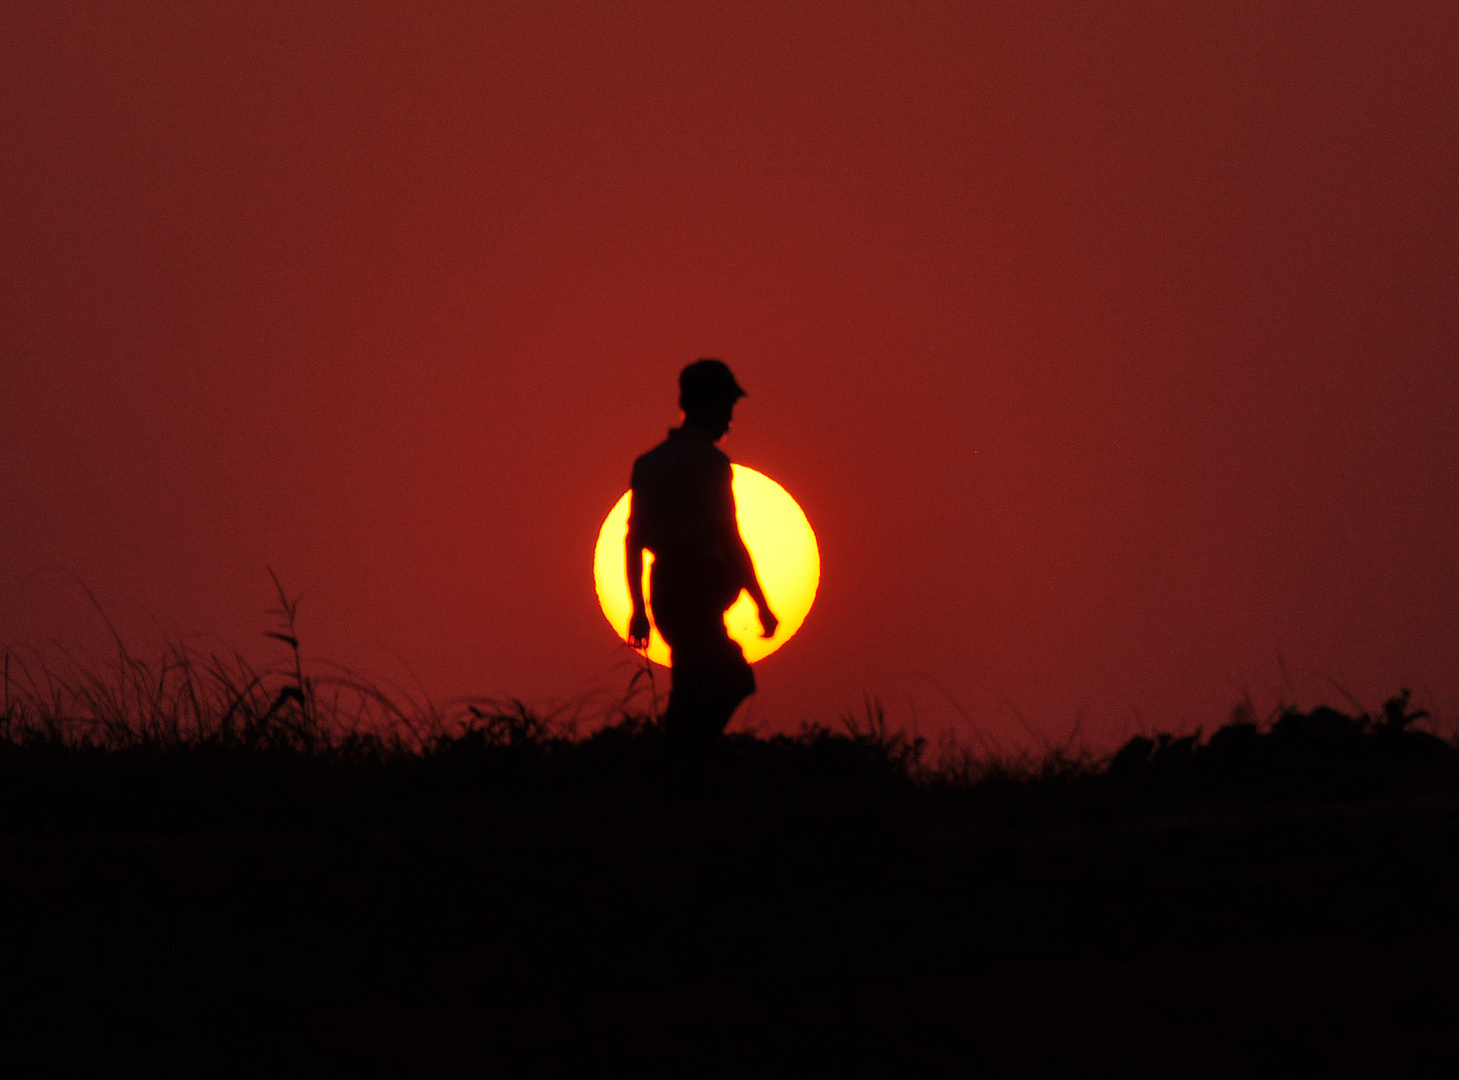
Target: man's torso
x=683, y=510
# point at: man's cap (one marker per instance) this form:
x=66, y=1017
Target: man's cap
x=706, y=383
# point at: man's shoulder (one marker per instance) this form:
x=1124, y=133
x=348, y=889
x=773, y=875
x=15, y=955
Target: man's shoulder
x=648, y=461
x=652, y=455
x=682, y=454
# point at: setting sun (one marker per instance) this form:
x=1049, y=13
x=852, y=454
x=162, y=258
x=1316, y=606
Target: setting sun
x=780, y=540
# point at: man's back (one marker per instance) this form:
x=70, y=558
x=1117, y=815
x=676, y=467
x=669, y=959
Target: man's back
x=683, y=500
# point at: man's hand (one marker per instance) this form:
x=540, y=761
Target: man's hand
x=768, y=621
x=638, y=629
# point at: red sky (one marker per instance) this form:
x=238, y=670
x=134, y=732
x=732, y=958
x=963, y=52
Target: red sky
x=1110, y=348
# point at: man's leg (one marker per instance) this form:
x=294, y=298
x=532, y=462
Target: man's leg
x=710, y=679
x=693, y=720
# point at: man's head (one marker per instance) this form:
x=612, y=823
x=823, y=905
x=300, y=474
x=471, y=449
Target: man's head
x=707, y=394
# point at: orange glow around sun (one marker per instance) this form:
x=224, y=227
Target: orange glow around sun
x=781, y=543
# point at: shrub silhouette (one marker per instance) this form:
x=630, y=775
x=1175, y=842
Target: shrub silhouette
x=1322, y=752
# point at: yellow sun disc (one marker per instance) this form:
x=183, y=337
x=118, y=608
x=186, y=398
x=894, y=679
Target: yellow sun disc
x=780, y=541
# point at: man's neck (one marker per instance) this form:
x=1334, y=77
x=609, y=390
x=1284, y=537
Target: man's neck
x=690, y=428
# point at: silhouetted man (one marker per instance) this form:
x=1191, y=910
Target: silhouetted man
x=683, y=510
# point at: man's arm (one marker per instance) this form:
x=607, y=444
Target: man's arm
x=750, y=582
x=744, y=565
x=638, y=627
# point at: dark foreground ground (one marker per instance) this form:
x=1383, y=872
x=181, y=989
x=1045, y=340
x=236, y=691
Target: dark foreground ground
x=1253, y=906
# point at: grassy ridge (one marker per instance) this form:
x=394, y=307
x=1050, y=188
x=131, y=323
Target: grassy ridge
x=202, y=741
x=293, y=871
x=186, y=709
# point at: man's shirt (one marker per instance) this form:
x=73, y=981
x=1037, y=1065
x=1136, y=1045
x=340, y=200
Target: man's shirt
x=683, y=506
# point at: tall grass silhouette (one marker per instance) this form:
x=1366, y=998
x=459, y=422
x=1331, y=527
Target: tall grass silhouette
x=188, y=697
